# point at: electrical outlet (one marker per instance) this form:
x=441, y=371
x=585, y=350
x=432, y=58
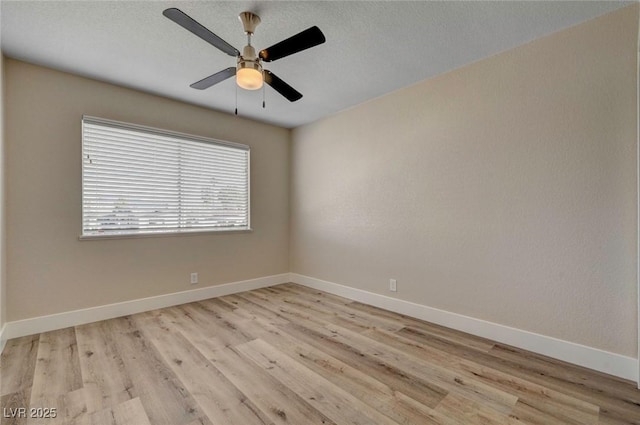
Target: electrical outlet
x=393, y=285
x=194, y=278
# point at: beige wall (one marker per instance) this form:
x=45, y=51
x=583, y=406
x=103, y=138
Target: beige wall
x=49, y=270
x=3, y=298
x=504, y=191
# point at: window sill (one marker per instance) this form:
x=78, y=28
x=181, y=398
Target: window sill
x=161, y=234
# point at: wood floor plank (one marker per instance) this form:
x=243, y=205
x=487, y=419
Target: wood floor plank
x=372, y=392
x=555, y=404
x=17, y=368
x=73, y=409
x=551, y=404
x=295, y=355
x=204, y=326
x=301, y=311
x=17, y=364
x=104, y=377
x=223, y=305
x=130, y=412
x=281, y=404
x=617, y=405
x=304, y=305
x=443, y=343
x=255, y=309
x=372, y=351
x=376, y=394
x=454, y=337
x=461, y=410
x=334, y=402
x=285, y=315
x=399, y=380
x=56, y=374
x=10, y=405
x=570, y=374
x=451, y=335
x=219, y=399
x=200, y=336
x=532, y=414
x=201, y=421
x=343, y=339
x=211, y=323
x=162, y=394
x=340, y=310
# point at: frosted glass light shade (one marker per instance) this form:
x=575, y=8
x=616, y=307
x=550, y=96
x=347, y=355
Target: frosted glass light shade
x=249, y=78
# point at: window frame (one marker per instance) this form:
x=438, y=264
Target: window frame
x=140, y=233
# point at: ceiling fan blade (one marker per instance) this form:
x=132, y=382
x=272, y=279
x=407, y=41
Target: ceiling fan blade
x=216, y=78
x=188, y=23
x=281, y=87
x=294, y=44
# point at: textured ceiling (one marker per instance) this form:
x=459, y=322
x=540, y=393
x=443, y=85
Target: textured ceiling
x=372, y=48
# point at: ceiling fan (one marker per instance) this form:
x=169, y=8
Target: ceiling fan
x=249, y=72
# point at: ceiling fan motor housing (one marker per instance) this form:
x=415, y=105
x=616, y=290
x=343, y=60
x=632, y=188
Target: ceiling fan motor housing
x=249, y=64
x=249, y=53
x=249, y=59
x=249, y=70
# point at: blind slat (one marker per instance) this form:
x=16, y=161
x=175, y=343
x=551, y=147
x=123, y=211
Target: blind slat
x=137, y=180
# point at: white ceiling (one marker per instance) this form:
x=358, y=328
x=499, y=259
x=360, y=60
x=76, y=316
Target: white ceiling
x=372, y=48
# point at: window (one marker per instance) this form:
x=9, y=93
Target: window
x=139, y=180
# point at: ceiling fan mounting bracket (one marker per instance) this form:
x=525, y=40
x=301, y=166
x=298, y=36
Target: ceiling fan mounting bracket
x=249, y=21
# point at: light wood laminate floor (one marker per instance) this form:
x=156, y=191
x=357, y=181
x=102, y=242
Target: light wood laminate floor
x=293, y=355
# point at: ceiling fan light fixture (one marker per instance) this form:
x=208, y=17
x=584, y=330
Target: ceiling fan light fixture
x=248, y=70
x=249, y=75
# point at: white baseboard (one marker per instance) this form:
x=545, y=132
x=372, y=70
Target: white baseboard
x=79, y=317
x=582, y=355
x=3, y=339
x=593, y=358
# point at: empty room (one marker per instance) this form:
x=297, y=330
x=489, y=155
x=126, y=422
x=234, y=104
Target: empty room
x=319, y=212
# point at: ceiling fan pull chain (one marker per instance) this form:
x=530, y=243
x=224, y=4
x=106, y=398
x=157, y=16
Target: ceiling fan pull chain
x=236, y=99
x=263, y=103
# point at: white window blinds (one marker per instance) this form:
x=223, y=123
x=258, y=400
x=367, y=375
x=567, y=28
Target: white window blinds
x=140, y=180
